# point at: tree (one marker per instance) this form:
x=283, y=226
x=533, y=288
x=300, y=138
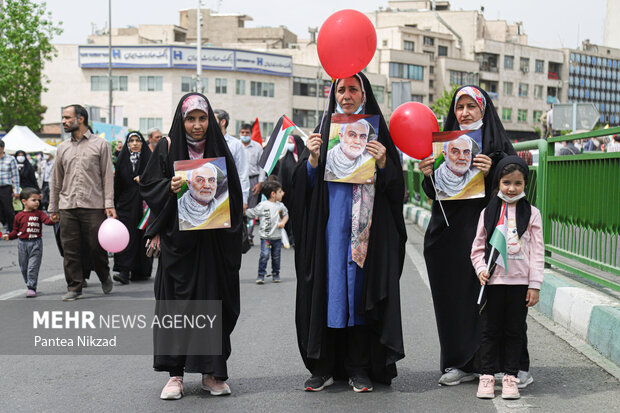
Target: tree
x=441, y=108
x=26, y=32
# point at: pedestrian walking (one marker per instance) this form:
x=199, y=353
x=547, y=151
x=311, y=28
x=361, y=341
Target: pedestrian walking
x=349, y=254
x=132, y=262
x=81, y=196
x=28, y=229
x=510, y=225
x=27, y=176
x=256, y=175
x=273, y=216
x=9, y=187
x=197, y=264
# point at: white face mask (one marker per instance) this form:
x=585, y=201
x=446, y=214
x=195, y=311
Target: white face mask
x=509, y=200
x=20, y=158
x=472, y=126
x=290, y=147
x=245, y=139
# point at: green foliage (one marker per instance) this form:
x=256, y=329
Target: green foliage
x=441, y=107
x=26, y=32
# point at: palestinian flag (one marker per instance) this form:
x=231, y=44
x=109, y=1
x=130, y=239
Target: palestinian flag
x=499, y=238
x=145, y=219
x=276, y=143
x=256, y=137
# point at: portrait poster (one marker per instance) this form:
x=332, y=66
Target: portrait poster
x=455, y=176
x=203, y=201
x=347, y=158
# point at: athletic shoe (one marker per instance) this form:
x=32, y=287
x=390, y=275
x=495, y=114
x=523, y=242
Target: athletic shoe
x=525, y=379
x=173, y=390
x=71, y=296
x=260, y=280
x=122, y=277
x=318, y=383
x=454, y=376
x=360, y=384
x=214, y=386
x=107, y=285
x=486, y=387
x=31, y=293
x=276, y=278
x=509, y=387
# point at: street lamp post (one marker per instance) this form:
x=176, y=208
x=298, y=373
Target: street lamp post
x=110, y=121
x=199, y=49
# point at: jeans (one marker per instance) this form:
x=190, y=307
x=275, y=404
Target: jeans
x=29, y=254
x=275, y=245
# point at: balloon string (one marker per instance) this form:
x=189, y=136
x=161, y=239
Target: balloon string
x=439, y=200
x=325, y=107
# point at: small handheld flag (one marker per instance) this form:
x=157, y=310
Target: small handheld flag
x=499, y=244
x=276, y=143
x=256, y=136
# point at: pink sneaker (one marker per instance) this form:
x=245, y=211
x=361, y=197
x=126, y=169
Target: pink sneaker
x=486, y=387
x=31, y=293
x=173, y=390
x=214, y=386
x=509, y=387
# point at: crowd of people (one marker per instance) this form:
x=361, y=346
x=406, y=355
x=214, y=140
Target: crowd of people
x=349, y=238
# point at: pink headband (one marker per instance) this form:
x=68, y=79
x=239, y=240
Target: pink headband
x=194, y=102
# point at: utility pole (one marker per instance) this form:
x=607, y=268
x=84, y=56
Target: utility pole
x=110, y=120
x=198, y=49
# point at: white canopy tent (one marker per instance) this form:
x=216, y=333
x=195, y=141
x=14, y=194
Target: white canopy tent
x=22, y=138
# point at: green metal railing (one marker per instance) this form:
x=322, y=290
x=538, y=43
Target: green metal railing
x=579, y=199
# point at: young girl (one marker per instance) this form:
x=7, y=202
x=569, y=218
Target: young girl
x=509, y=291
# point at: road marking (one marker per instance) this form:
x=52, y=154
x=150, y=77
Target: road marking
x=17, y=293
x=419, y=262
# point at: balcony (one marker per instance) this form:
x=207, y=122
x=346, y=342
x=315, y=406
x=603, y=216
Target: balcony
x=553, y=75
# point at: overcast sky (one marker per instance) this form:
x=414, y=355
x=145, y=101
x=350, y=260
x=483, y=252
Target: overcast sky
x=548, y=23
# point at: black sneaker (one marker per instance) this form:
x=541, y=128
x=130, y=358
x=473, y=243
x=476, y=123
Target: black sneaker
x=122, y=277
x=360, y=384
x=318, y=383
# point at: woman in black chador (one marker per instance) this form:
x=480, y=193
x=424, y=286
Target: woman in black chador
x=194, y=265
x=453, y=281
x=131, y=263
x=350, y=247
x=27, y=177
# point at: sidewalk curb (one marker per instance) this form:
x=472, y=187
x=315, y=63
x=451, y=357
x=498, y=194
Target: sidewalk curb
x=588, y=314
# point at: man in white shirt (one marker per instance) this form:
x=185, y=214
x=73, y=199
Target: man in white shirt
x=238, y=153
x=257, y=175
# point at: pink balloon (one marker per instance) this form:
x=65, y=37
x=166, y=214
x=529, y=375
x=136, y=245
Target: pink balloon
x=346, y=44
x=411, y=127
x=113, y=235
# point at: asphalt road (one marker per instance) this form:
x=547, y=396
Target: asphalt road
x=266, y=372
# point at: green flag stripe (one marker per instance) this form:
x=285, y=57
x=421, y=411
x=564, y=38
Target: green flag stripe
x=498, y=240
x=280, y=148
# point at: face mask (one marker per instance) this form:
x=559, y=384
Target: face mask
x=509, y=200
x=290, y=147
x=472, y=126
x=20, y=158
x=245, y=139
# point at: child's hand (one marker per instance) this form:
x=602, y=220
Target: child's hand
x=483, y=277
x=5, y=237
x=532, y=297
x=281, y=225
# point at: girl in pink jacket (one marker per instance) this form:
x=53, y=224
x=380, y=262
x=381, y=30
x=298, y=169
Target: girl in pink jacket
x=512, y=281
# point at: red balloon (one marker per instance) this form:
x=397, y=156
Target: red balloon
x=346, y=44
x=411, y=126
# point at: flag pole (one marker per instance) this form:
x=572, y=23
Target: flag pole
x=439, y=200
x=302, y=133
x=488, y=268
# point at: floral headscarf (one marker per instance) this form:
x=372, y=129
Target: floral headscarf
x=475, y=94
x=194, y=102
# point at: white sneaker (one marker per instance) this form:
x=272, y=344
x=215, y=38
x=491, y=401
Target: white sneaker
x=525, y=379
x=173, y=390
x=454, y=376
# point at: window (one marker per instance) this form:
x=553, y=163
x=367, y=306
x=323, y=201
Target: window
x=488, y=61
x=151, y=83
x=186, y=84
x=463, y=78
x=431, y=70
x=379, y=92
x=265, y=89
x=509, y=62
x=506, y=114
x=524, y=64
x=537, y=116
x=442, y=51
x=240, y=87
x=508, y=88
x=304, y=118
x=405, y=71
x=431, y=55
x=306, y=86
x=98, y=83
x=409, y=46
x=429, y=41
x=266, y=128
x=385, y=43
x=523, y=89
x=538, y=92
x=522, y=115
x=148, y=123
x=125, y=122
x=540, y=66
x=220, y=86
x=417, y=98
x=431, y=98
x=431, y=84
